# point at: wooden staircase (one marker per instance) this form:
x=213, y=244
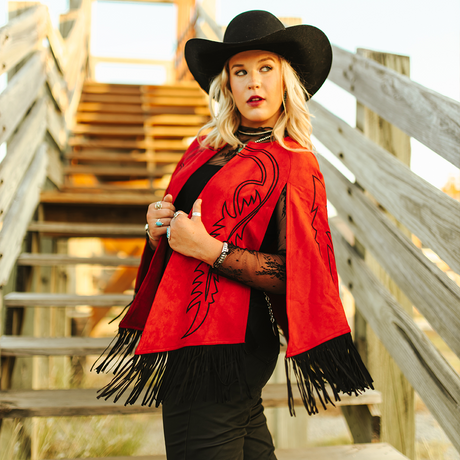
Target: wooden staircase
x=125, y=143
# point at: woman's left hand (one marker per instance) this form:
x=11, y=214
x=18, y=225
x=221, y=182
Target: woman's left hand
x=190, y=238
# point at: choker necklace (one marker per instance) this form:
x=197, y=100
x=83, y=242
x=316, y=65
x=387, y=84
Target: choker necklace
x=262, y=139
x=256, y=134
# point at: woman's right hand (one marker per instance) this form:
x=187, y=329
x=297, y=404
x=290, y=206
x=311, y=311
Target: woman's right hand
x=163, y=215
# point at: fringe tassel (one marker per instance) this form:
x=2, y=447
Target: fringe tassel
x=184, y=374
x=336, y=362
x=121, y=347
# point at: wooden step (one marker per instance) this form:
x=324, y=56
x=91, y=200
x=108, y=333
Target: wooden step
x=110, y=118
x=54, y=403
x=119, y=157
x=377, y=451
x=118, y=99
x=40, y=260
x=84, y=229
x=180, y=101
x=161, y=144
x=100, y=107
x=34, y=299
x=177, y=120
x=61, y=346
x=133, y=131
x=103, y=88
x=115, y=199
x=117, y=171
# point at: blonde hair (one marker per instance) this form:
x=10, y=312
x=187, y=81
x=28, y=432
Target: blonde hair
x=295, y=118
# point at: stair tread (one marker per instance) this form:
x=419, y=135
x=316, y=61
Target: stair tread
x=53, y=346
x=113, y=199
x=35, y=299
x=87, y=229
x=122, y=157
x=160, y=144
x=29, y=259
x=27, y=403
x=376, y=451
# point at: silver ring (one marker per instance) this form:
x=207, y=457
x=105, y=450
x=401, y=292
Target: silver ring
x=158, y=223
x=196, y=214
x=158, y=205
x=176, y=214
x=168, y=233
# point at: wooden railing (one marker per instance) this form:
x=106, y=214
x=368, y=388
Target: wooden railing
x=41, y=97
x=425, y=211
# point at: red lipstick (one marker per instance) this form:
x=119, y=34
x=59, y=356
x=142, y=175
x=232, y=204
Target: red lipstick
x=255, y=101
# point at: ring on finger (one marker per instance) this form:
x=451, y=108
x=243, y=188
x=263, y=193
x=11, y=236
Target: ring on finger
x=168, y=233
x=158, y=223
x=176, y=214
x=158, y=205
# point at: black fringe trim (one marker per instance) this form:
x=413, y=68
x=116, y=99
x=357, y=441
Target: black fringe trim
x=210, y=372
x=121, y=348
x=335, y=362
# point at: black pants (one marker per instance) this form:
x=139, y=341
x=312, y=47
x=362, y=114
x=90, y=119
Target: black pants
x=235, y=430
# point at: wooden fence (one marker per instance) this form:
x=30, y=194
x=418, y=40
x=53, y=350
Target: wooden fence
x=36, y=112
x=427, y=212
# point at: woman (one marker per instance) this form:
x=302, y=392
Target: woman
x=240, y=238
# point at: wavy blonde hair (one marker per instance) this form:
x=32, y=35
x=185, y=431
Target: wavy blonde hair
x=295, y=118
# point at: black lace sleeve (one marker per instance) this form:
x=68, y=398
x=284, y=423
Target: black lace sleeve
x=266, y=272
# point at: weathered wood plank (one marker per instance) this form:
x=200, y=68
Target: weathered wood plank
x=380, y=451
x=21, y=36
x=56, y=127
x=35, y=299
x=21, y=150
x=46, y=346
x=427, y=116
x=275, y=395
x=34, y=260
x=56, y=45
x=174, y=101
x=426, y=211
x=431, y=291
x=113, y=199
x=21, y=210
x=133, y=131
x=108, y=88
x=117, y=99
x=132, y=157
x=55, y=403
x=98, y=107
x=56, y=84
x=82, y=229
x=119, y=171
x=173, y=119
x=107, y=118
x=427, y=371
x=20, y=94
x=160, y=144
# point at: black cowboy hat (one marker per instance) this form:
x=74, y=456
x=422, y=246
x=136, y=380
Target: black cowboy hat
x=305, y=47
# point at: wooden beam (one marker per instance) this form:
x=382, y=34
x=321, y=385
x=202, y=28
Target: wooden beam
x=100, y=155
x=82, y=229
x=118, y=171
x=106, y=118
x=422, y=364
x=34, y=299
x=426, y=211
x=33, y=260
x=20, y=213
x=20, y=93
x=160, y=144
x=22, y=35
x=57, y=84
x=21, y=150
x=114, y=199
x=427, y=116
x=431, y=291
x=59, y=346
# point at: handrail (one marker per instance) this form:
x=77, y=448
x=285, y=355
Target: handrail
x=420, y=112
x=25, y=163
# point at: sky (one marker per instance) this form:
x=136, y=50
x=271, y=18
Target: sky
x=426, y=31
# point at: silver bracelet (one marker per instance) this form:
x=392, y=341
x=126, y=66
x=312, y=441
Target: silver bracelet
x=222, y=256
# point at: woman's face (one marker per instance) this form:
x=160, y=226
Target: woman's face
x=255, y=81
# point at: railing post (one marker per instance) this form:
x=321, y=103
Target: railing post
x=397, y=409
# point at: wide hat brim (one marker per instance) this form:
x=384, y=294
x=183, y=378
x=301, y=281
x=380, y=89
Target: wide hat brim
x=305, y=47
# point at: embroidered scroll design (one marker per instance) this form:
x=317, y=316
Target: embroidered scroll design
x=329, y=253
x=241, y=210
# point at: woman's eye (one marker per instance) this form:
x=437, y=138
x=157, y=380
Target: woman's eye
x=266, y=68
x=240, y=73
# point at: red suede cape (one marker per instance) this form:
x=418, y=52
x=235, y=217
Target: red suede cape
x=186, y=320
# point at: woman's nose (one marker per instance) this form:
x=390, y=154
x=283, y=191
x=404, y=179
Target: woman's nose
x=254, y=82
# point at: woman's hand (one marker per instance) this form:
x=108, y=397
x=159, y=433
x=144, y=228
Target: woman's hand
x=190, y=238
x=163, y=215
